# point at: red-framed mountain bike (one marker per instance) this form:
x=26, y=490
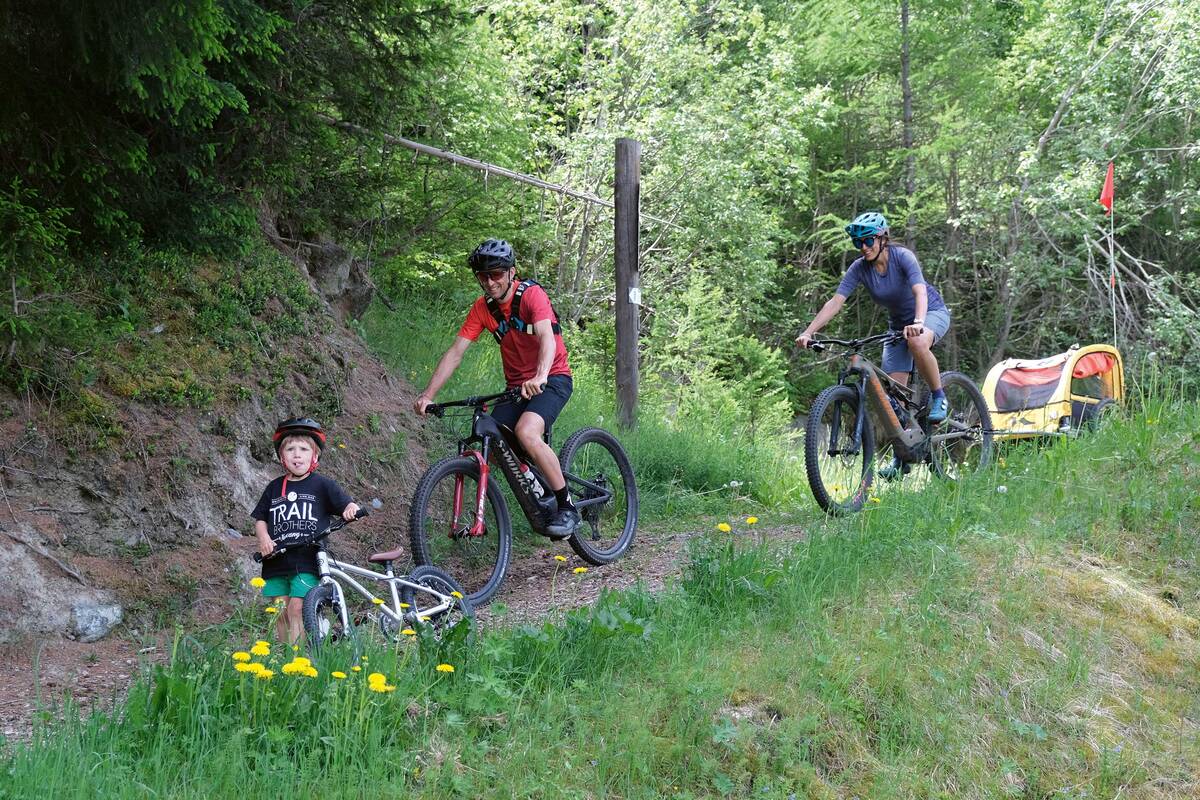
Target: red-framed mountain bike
x=460, y=521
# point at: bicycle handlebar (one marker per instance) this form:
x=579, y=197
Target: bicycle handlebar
x=476, y=401
x=856, y=344
x=335, y=524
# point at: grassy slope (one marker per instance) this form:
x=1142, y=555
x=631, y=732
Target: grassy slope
x=957, y=642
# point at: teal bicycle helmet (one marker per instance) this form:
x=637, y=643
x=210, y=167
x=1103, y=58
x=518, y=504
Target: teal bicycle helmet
x=870, y=223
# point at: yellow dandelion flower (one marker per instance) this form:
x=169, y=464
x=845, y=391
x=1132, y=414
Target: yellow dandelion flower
x=257, y=583
x=560, y=558
x=405, y=605
x=751, y=520
x=381, y=687
x=377, y=677
x=456, y=594
x=341, y=445
x=724, y=527
x=263, y=642
x=408, y=632
x=242, y=666
x=338, y=674
x=310, y=672
x=241, y=655
x=291, y=669
x=356, y=668
x=264, y=674
x=377, y=601
x=875, y=500
x=271, y=609
x=579, y=570
x=261, y=649
x=445, y=668
x=254, y=667
x=423, y=619
x=362, y=658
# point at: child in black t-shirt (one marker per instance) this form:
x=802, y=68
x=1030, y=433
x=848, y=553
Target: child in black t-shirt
x=292, y=507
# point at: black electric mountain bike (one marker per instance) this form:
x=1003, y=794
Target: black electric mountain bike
x=843, y=443
x=460, y=520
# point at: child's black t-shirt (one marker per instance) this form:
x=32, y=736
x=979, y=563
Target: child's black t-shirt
x=291, y=516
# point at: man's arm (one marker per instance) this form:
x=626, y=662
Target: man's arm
x=547, y=346
x=445, y=368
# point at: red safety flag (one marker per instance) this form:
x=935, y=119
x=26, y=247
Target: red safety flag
x=1106, y=194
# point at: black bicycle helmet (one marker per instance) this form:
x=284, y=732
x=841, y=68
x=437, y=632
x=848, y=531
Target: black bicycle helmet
x=492, y=255
x=299, y=426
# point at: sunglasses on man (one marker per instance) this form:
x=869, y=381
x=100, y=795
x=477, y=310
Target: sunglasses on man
x=491, y=275
x=866, y=241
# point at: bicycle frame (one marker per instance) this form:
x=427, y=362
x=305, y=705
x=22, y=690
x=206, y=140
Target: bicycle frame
x=512, y=462
x=334, y=572
x=870, y=386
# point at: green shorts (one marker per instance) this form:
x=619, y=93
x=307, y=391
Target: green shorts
x=290, y=585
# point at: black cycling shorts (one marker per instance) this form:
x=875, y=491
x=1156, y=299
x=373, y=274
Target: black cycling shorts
x=547, y=405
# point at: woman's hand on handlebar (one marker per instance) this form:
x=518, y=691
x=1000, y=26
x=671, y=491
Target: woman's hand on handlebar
x=804, y=340
x=421, y=403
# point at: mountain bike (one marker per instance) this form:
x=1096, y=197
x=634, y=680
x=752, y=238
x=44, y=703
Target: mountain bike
x=460, y=520
x=842, y=440
x=427, y=596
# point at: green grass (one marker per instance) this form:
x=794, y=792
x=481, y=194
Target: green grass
x=953, y=642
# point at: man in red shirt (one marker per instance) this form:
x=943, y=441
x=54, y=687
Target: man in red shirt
x=534, y=358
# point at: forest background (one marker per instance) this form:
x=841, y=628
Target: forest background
x=141, y=141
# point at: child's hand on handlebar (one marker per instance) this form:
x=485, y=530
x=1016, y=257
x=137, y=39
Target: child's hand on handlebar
x=350, y=512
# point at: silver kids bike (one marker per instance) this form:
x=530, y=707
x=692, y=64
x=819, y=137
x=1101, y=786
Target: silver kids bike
x=426, y=599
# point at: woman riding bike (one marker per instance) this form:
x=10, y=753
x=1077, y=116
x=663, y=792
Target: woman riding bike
x=893, y=279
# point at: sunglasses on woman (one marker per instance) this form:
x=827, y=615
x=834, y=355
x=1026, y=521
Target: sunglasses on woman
x=866, y=241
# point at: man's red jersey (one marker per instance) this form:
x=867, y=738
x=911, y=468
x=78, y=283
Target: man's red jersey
x=518, y=351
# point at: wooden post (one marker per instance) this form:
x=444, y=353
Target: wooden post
x=626, y=195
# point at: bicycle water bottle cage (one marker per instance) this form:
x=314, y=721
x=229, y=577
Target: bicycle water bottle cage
x=515, y=321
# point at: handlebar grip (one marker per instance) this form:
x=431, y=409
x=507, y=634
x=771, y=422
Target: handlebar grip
x=257, y=558
x=362, y=512
x=435, y=409
x=816, y=346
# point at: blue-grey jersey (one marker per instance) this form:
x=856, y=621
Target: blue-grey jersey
x=892, y=289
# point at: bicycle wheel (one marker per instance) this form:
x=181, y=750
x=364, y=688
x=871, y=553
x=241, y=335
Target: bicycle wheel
x=839, y=468
x=963, y=443
x=439, y=527
x=322, y=615
x=600, y=467
x=441, y=623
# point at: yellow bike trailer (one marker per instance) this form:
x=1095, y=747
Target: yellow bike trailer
x=1059, y=395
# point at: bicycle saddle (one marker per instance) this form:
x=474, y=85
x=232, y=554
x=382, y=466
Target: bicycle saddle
x=387, y=555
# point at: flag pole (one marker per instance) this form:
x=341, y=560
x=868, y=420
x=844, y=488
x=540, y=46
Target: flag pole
x=1112, y=275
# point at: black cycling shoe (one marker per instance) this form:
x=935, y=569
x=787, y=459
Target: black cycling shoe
x=564, y=523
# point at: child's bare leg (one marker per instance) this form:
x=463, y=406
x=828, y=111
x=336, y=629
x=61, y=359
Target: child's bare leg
x=281, y=624
x=295, y=615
